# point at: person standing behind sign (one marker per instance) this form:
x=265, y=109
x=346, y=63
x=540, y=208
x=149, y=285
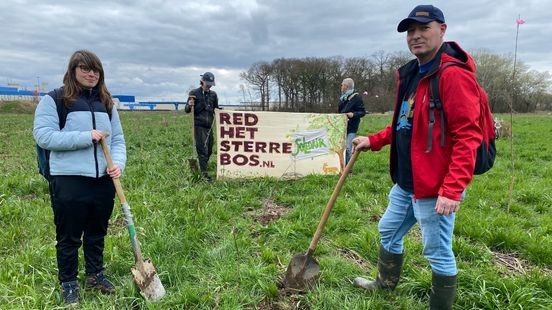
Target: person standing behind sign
x=81, y=188
x=350, y=103
x=205, y=101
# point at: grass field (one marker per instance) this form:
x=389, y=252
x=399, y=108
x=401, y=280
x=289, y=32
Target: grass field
x=225, y=245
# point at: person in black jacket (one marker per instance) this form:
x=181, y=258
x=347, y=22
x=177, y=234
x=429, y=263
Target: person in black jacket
x=205, y=101
x=351, y=104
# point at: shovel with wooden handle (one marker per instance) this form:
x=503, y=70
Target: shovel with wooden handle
x=143, y=271
x=192, y=162
x=303, y=270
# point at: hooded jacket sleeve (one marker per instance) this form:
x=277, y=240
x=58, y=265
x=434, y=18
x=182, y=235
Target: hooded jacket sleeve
x=118, y=145
x=381, y=138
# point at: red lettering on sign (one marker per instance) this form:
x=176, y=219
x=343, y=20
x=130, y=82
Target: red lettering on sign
x=253, y=160
x=273, y=147
x=286, y=148
x=251, y=119
x=225, y=146
x=247, y=119
x=260, y=147
x=226, y=132
x=240, y=160
x=248, y=146
x=237, y=119
x=236, y=145
x=252, y=131
x=224, y=118
x=239, y=132
x=224, y=159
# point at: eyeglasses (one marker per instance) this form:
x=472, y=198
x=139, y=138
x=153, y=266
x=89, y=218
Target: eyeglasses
x=87, y=69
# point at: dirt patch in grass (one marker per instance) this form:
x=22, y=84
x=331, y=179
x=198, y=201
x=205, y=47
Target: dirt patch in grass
x=117, y=224
x=30, y=197
x=511, y=262
x=375, y=218
x=286, y=300
x=270, y=212
x=354, y=257
x=415, y=233
x=269, y=304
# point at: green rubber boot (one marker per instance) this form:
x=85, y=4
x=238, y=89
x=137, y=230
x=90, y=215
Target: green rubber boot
x=443, y=291
x=389, y=272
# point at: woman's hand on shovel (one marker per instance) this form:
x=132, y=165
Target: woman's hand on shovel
x=97, y=135
x=114, y=172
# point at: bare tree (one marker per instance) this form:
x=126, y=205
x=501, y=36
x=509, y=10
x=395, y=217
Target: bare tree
x=258, y=75
x=312, y=84
x=527, y=92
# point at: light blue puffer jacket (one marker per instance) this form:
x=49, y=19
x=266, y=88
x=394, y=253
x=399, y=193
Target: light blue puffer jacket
x=72, y=149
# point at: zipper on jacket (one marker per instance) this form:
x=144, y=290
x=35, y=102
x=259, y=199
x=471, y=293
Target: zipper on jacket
x=91, y=105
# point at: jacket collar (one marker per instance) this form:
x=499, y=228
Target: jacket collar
x=448, y=52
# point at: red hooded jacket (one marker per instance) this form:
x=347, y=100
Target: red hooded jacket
x=447, y=170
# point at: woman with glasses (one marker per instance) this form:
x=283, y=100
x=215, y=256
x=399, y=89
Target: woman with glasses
x=69, y=122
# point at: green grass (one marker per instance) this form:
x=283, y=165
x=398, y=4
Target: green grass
x=212, y=254
x=17, y=106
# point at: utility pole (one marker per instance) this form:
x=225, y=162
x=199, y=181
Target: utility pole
x=519, y=21
x=37, y=91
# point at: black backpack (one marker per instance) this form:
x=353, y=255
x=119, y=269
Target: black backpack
x=43, y=155
x=486, y=152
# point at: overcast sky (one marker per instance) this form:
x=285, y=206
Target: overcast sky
x=156, y=50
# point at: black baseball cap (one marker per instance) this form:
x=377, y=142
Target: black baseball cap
x=208, y=78
x=422, y=14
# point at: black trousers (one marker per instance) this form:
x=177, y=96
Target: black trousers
x=204, y=146
x=82, y=207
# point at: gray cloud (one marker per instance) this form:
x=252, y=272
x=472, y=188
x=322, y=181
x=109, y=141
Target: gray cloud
x=156, y=50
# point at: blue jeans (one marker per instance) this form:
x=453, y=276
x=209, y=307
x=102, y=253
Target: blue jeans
x=402, y=213
x=349, y=149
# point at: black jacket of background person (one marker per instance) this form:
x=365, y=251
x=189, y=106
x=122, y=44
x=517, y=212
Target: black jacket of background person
x=204, y=107
x=352, y=104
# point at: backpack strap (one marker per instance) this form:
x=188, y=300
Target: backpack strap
x=57, y=95
x=436, y=103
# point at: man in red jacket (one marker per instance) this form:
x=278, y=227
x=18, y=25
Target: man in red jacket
x=429, y=176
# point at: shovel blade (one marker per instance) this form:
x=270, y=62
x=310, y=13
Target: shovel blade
x=302, y=272
x=148, y=281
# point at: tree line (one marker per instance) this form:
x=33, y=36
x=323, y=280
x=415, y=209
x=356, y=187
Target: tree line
x=313, y=84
